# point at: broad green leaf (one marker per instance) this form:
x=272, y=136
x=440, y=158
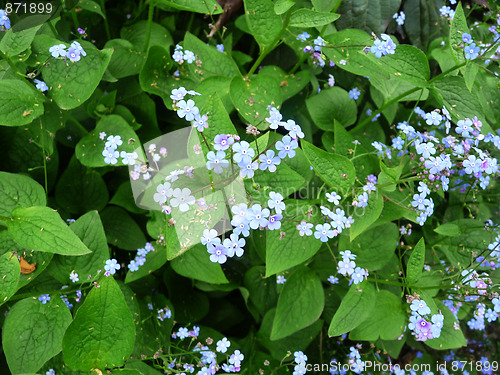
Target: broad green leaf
x=416, y=262
x=213, y=62
x=17, y=190
x=263, y=22
x=89, y=149
x=90, y=230
x=39, y=259
x=80, y=190
x=33, y=333
x=420, y=27
x=299, y=340
x=9, y=276
x=102, y=333
x=252, y=97
x=387, y=320
x=154, y=261
x=374, y=247
x=330, y=105
x=195, y=264
x=20, y=104
x=124, y=198
x=369, y=15
x=325, y=5
x=218, y=118
x=72, y=83
x=215, y=85
x=126, y=59
x=13, y=43
x=337, y=171
x=153, y=76
x=458, y=27
x=262, y=290
x=470, y=71
x=282, y=6
x=197, y=6
x=91, y=6
x=452, y=92
x=42, y=229
x=291, y=84
x=299, y=305
x=448, y=229
x=450, y=337
x=392, y=86
x=292, y=249
x=365, y=216
x=142, y=367
x=356, y=307
x=136, y=34
x=121, y=229
x=310, y=18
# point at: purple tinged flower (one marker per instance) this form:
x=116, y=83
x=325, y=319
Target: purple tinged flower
x=73, y=54
x=466, y=38
x=362, y=200
x=331, y=80
x=133, y=266
x=200, y=122
x=187, y=109
x=269, y=161
x=390, y=46
x=218, y=253
x=236, y=358
x=222, y=142
x=44, y=298
x=324, y=232
x=274, y=222
x=111, y=266
x=286, y=147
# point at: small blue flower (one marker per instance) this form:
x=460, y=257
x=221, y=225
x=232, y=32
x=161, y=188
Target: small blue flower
x=248, y=169
x=466, y=38
x=304, y=228
x=44, y=298
x=187, y=109
x=73, y=54
x=217, y=162
x=354, y=93
x=280, y=279
x=464, y=127
x=40, y=85
x=286, y=147
x=294, y=129
x=471, y=51
x=324, y=232
x=398, y=143
x=200, y=122
x=111, y=267
x=110, y=156
x=269, y=161
x=77, y=46
x=333, y=280
x=220, y=47
x=258, y=216
x=420, y=306
x=276, y=202
x=304, y=36
x=4, y=20
x=223, y=345
x=222, y=142
x=218, y=253
x=274, y=222
x=58, y=50
x=189, y=56
x=243, y=153
x=400, y=18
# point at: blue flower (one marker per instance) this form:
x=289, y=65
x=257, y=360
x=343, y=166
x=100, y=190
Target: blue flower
x=110, y=156
x=471, y=51
x=433, y=118
x=222, y=142
x=333, y=280
x=274, y=118
x=398, y=143
x=346, y=267
x=44, y=298
x=464, y=127
x=189, y=56
x=324, y=232
x=286, y=147
x=58, y=50
x=420, y=306
x=248, y=169
x=400, y=18
x=466, y=38
x=217, y=162
x=77, y=46
x=379, y=48
x=243, y=153
x=354, y=93
x=358, y=275
x=280, y=279
x=4, y=20
x=111, y=267
x=200, y=122
x=182, y=333
x=274, y=222
x=300, y=357
x=187, y=110
x=40, y=85
x=425, y=149
x=178, y=94
x=318, y=43
x=258, y=216
x=304, y=36
x=218, y=253
x=472, y=165
x=73, y=54
x=269, y=161
x=220, y=47
x=294, y=130
x=132, y=266
x=234, y=245
x=223, y=345
x=276, y=202
x=333, y=197
x=178, y=56
x=304, y=228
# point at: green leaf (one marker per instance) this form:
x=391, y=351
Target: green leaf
x=91, y=232
x=282, y=6
x=126, y=59
x=448, y=229
x=13, y=43
x=121, y=230
x=33, y=333
x=72, y=83
x=42, y=229
x=375, y=247
x=299, y=305
x=252, y=97
x=91, y=6
x=153, y=76
x=369, y=15
x=80, y=190
x=420, y=27
x=20, y=104
x=368, y=214
x=17, y=190
x=197, y=6
x=9, y=276
x=330, y=105
x=291, y=84
x=458, y=27
x=387, y=320
x=195, y=264
x=356, y=307
x=450, y=337
x=310, y=18
x=218, y=116
x=262, y=290
x=416, y=262
x=292, y=249
x=102, y=333
x=213, y=62
x=325, y=5
x=136, y=34
x=470, y=72
x=337, y=171
x=89, y=149
x=263, y=22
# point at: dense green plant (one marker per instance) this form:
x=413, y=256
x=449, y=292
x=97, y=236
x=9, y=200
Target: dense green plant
x=292, y=187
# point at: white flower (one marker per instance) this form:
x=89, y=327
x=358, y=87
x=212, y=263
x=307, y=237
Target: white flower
x=163, y=191
x=182, y=199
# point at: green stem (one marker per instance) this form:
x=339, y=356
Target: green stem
x=106, y=24
x=44, y=157
x=264, y=52
x=22, y=76
x=150, y=22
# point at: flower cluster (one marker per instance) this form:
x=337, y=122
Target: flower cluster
x=187, y=109
x=300, y=359
x=143, y=169
x=164, y=313
x=178, y=197
x=362, y=199
x=4, y=21
x=347, y=267
x=422, y=325
x=384, y=46
x=446, y=11
x=319, y=58
x=470, y=49
x=400, y=18
x=74, y=52
x=140, y=258
x=180, y=55
x=111, y=153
